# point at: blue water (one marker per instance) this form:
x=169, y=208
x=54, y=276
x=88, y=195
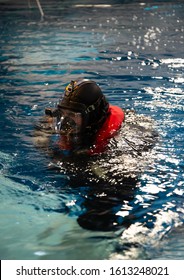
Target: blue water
x=135, y=51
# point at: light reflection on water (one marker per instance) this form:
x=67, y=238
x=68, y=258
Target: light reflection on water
x=138, y=61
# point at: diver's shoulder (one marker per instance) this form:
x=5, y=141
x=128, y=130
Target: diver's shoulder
x=132, y=117
x=140, y=127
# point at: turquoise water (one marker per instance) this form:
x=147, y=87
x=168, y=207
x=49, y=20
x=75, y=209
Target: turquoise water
x=134, y=50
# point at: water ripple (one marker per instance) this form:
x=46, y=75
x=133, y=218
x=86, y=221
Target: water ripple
x=137, y=58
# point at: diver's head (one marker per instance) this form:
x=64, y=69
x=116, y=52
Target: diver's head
x=83, y=108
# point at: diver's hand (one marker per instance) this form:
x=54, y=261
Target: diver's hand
x=41, y=141
x=41, y=138
x=42, y=132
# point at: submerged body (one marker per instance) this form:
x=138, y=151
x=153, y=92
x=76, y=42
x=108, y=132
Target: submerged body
x=105, y=150
x=116, y=154
x=86, y=135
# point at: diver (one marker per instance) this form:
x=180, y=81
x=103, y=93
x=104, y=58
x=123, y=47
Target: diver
x=98, y=145
x=84, y=124
x=84, y=119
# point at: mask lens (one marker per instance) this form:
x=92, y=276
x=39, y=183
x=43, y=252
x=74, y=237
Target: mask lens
x=69, y=122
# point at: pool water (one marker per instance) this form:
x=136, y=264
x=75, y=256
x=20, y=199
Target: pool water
x=135, y=51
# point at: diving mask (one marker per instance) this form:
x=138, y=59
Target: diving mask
x=68, y=122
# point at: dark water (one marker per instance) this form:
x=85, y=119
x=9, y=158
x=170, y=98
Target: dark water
x=135, y=51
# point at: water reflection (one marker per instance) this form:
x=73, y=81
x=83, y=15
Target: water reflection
x=135, y=51
x=108, y=208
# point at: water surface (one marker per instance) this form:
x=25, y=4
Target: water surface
x=134, y=50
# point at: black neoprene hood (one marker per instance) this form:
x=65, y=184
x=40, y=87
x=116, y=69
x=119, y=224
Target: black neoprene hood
x=86, y=97
x=79, y=95
x=83, y=96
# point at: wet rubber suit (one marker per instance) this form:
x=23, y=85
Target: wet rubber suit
x=109, y=160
